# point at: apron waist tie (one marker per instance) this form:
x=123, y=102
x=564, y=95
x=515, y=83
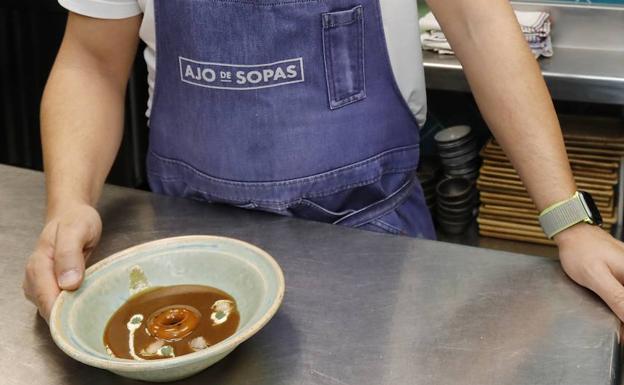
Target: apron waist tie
x=379, y=208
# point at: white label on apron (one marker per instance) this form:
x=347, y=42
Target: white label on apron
x=241, y=76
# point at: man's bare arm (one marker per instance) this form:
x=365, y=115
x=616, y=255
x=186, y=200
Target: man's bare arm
x=82, y=107
x=81, y=129
x=514, y=101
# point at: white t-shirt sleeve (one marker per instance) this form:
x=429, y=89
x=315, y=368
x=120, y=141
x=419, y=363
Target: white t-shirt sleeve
x=103, y=9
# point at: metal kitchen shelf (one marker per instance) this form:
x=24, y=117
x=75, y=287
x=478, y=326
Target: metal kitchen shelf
x=588, y=63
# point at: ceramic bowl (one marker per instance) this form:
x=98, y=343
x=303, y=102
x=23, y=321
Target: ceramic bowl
x=470, y=146
x=468, y=173
x=451, y=216
x=454, y=189
x=452, y=135
x=244, y=271
x=461, y=161
x=451, y=227
x=464, y=204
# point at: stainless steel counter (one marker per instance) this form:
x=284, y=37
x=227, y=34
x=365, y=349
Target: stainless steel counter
x=360, y=308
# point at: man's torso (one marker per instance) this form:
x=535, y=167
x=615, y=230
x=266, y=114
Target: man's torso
x=400, y=20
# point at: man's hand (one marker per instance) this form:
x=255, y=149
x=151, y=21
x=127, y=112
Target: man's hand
x=594, y=259
x=58, y=261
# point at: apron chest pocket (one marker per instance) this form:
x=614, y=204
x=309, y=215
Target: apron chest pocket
x=343, y=51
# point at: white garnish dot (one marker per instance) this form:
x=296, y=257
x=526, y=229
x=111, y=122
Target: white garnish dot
x=221, y=310
x=166, y=351
x=198, y=343
x=152, y=349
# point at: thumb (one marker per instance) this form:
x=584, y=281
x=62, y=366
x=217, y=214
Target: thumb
x=69, y=254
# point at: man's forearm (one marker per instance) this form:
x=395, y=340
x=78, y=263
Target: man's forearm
x=81, y=126
x=82, y=107
x=510, y=91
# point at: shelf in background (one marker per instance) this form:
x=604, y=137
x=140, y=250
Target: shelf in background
x=587, y=65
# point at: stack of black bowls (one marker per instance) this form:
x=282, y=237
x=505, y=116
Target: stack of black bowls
x=428, y=175
x=457, y=194
x=458, y=151
x=456, y=202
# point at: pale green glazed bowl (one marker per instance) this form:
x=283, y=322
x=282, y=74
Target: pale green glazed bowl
x=244, y=271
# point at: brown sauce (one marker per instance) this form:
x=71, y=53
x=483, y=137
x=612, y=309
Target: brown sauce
x=171, y=321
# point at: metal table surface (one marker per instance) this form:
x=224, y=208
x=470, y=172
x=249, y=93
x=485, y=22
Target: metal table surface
x=360, y=308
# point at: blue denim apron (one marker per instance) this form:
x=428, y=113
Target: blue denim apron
x=286, y=106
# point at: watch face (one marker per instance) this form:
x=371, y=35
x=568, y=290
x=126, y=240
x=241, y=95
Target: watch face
x=590, y=205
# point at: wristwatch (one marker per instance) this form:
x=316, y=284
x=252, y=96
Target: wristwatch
x=561, y=215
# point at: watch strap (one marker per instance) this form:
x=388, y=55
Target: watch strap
x=563, y=215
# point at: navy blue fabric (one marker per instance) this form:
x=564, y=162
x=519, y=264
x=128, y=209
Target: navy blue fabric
x=288, y=106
